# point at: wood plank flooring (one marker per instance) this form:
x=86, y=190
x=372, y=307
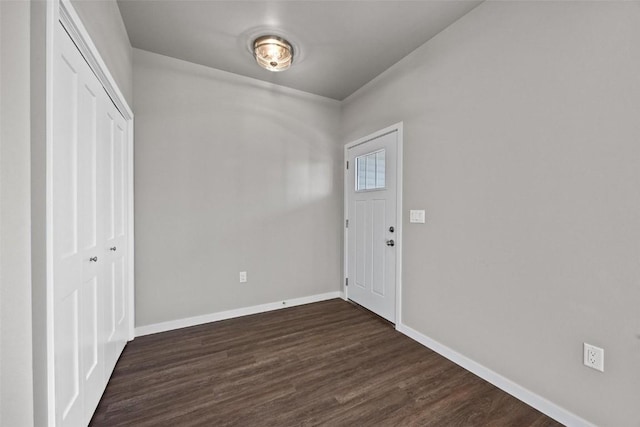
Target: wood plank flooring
x=329, y=363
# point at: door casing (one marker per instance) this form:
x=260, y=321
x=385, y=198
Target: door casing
x=399, y=219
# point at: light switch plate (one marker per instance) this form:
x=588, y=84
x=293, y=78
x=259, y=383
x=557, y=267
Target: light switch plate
x=416, y=216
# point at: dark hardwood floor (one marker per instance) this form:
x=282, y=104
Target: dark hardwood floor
x=329, y=363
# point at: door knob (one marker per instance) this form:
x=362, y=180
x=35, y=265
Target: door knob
x=113, y=249
x=93, y=259
x=391, y=229
x=391, y=243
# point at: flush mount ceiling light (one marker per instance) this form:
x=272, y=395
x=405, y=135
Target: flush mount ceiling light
x=273, y=53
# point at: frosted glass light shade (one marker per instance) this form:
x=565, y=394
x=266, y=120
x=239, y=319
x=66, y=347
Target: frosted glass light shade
x=273, y=53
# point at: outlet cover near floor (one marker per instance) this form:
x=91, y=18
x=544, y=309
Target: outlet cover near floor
x=594, y=357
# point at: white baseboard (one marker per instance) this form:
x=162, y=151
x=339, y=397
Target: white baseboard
x=541, y=404
x=230, y=314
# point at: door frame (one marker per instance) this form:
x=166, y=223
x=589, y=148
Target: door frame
x=63, y=11
x=397, y=127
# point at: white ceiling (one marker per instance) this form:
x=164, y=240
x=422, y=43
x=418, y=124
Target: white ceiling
x=339, y=45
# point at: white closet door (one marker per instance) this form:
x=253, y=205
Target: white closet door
x=77, y=241
x=115, y=220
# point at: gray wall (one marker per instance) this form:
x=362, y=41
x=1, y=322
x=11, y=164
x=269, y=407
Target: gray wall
x=522, y=130
x=105, y=26
x=16, y=390
x=231, y=174
x=38, y=209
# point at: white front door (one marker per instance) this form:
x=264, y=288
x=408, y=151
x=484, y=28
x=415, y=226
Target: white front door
x=372, y=230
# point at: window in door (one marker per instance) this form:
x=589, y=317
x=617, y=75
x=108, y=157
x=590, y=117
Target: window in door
x=370, y=169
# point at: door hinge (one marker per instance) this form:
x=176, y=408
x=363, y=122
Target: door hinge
x=346, y=223
x=347, y=164
x=346, y=281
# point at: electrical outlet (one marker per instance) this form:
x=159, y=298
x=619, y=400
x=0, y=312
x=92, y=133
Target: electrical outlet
x=243, y=277
x=594, y=357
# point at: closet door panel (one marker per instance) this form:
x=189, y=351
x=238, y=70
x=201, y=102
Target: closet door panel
x=88, y=186
x=67, y=255
x=67, y=268
x=120, y=209
x=91, y=241
x=69, y=388
x=119, y=175
x=87, y=154
x=115, y=223
x=65, y=181
x=109, y=222
x=78, y=238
